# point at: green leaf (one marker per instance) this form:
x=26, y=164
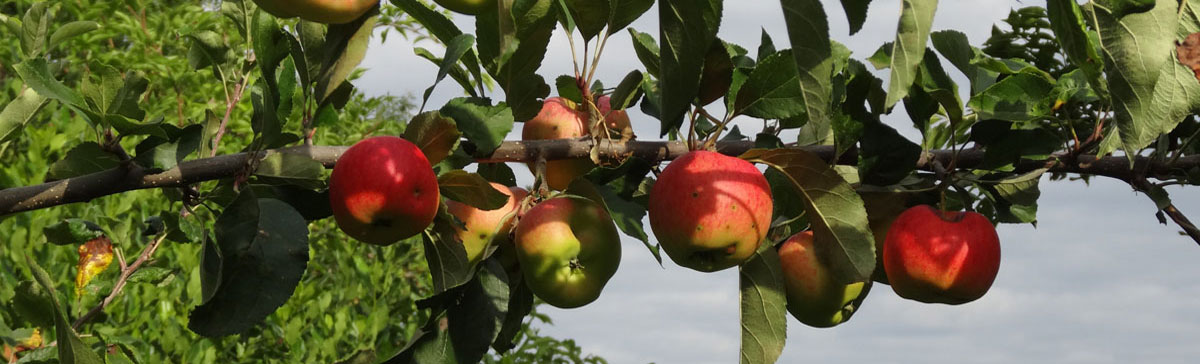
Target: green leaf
x=1121, y=8
x=717, y=75
x=71, y=349
x=471, y=189
x=35, y=26
x=497, y=172
x=83, y=159
x=916, y=19
x=435, y=134
x=36, y=73
x=263, y=246
x=764, y=308
x=628, y=217
x=475, y=321
x=590, y=16
x=953, y=46
x=856, y=13
x=568, y=88
x=513, y=55
x=161, y=154
x=773, y=90
x=345, y=46
x=886, y=156
x=628, y=91
x=129, y=127
x=1070, y=28
x=72, y=232
x=808, y=31
x=448, y=264
x=834, y=210
x=291, y=169
x=19, y=112
x=1152, y=92
x=484, y=125
x=71, y=30
x=456, y=71
x=520, y=304
x=151, y=275
x=1020, y=97
x=1022, y=189
x=646, y=50
x=31, y=302
x=455, y=50
x=686, y=31
x=624, y=12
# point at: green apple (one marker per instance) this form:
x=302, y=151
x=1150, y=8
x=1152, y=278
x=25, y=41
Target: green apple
x=710, y=211
x=568, y=249
x=814, y=296
x=937, y=256
x=383, y=190
x=468, y=7
x=481, y=225
x=559, y=119
x=321, y=11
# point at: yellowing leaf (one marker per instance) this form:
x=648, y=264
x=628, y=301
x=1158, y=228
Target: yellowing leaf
x=94, y=256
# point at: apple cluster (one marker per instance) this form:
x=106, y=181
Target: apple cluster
x=709, y=212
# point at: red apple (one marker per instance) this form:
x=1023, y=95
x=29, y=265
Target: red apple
x=710, y=211
x=814, y=296
x=614, y=120
x=321, y=11
x=568, y=249
x=481, y=225
x=383, y=190
x=559, y=119
x=941, y=257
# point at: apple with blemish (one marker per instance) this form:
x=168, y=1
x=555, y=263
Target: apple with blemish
x=383, y=190
x=710, y=211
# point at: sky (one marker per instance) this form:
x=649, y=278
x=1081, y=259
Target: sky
x=1099, y=280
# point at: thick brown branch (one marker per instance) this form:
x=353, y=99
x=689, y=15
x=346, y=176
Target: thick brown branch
x=117, y=180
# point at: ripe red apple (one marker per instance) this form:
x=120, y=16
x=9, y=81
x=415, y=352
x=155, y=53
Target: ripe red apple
x=941, y=257
x=568, y=248
x=559, y=119
x=709, y=211
x=481, y=225
x=321, y=11
x=383, y=190
x=468, y=7
x=814, y=297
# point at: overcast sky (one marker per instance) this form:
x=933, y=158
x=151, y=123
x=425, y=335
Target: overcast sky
x=1098, y=281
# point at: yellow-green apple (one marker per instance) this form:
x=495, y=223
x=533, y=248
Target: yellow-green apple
x=383, y=190
x=468, y=7
x=941, y=257
x=559, y=119
x=814, y=296
x=321, y=11
x=568, y=248
x=709, y=211
x=482, y=225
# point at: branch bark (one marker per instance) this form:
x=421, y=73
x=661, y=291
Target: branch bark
x=133, y=177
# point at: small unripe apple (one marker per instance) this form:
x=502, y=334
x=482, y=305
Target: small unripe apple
x=568, y=249
x=383, y=190
x=941, y=257
x=710, y=211
x=321, y=11
x=468, y=7
x=814, y=296
x=559, y=119
x=482, y=225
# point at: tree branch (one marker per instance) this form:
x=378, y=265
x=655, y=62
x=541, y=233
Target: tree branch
x=133, y=177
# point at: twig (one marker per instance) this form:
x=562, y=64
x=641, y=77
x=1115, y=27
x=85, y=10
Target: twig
x=147, y=252
x=1141, y=184
x=237, y=96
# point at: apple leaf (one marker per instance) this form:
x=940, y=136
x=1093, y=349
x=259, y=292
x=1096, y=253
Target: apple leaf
x=291, y=169
x=455, y=50
x=808, y=31
x=646, y=50
x=435, y=134
x=916, y=19
x=717, y=75
x=834, y=210
x=886, y=156
x=72, y=232
x=448, y=264
x=520, y=304
x=84, y=158
x=36, y=73
x=568, y=88
x=687, y=29
x=262, y=245
x=484, y=125
x=71, y=349
x=471, y=189
x=344, y=47
x=1019, y=97
x=628, y=91
x=856, y=13
x=476, y=319
x=19, y=112
x=590, y=16
x=772, y=91
x=624, y=12
x=159, y=153
x=1070, y=28
x=764, y=308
